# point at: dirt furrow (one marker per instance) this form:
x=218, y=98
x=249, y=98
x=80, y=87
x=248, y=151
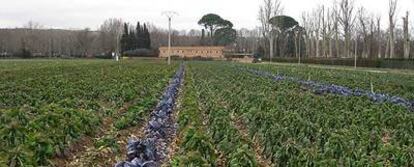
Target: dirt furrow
x=243, y=130
x=86, y=142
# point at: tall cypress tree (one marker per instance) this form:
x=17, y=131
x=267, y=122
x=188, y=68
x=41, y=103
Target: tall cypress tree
x=125, y=39
x=132, y=41
x=146, y=37
x=138, y=34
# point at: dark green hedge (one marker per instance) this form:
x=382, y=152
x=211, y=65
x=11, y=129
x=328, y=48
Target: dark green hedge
x=141, y=53
x=198, y=58
x=375, y=63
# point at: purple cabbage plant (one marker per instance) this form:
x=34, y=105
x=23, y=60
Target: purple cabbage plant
x=322, y=88
x=152, y=149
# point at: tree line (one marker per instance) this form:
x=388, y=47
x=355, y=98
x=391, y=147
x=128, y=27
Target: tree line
x=113, y=35
x=135, y=37
x=34, y=40
x=339, y=30
x=220, y=31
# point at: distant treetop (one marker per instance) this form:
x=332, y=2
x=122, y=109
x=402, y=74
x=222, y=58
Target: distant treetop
x=283, y=22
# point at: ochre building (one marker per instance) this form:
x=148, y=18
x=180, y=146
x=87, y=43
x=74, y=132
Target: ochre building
x=216, y=52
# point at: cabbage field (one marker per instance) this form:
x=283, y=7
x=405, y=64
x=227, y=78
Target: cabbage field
x=260, y=115
x=137, y=113
x=47, y=106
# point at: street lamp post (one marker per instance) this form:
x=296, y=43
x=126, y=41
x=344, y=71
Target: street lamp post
x=169, y=40
x=170, y=15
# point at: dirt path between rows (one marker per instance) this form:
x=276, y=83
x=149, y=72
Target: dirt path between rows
x=243, y=130
x=104, y=156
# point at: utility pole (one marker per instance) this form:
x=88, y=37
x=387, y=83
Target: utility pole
x=117, y=50
x=170, y=15
x=356, y=50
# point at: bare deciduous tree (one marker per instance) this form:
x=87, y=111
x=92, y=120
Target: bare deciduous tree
x=306, y=33
x=379, y=37
x=406, y=37
x=346, y=19
x=84, y=41
x=267, y=10
x=336, y=30
x=111, y=31
x=318, y=14
x=363, y=28
x=391, y=18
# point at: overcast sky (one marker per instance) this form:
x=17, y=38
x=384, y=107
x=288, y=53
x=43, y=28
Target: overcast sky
x=78, y=14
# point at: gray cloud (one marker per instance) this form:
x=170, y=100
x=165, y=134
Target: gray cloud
x=91, y=13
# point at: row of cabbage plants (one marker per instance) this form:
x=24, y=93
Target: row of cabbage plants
x=107, y=148
x=112, y=83
x=195, y=145
x=296, y=127
x=152, y=149
x=386, y=82
x=321, y=88
x=44, y=110
x=232, y=148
